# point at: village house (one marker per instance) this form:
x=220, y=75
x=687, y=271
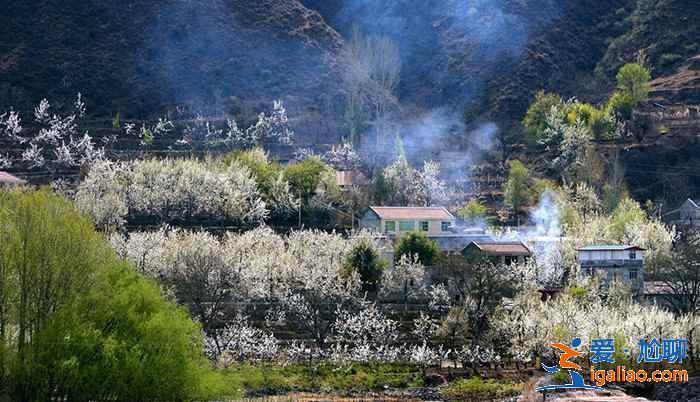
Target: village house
x=350, y=178
x=498, y=252
x=397, y=221
x=611, y=263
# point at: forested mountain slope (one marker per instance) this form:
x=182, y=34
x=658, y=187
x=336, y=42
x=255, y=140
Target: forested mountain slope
x=481, y=59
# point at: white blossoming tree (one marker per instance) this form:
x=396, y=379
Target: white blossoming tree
x=55, y=139
x=170, y=190
x=274, y=126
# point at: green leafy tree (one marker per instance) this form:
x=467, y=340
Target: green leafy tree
x=77, y=323
x=257, y=161
x=305, y=176
x=628, y=211
x=535, y=120
x=417, y=243
x=620, y=105
x=473, y=211
x=516, y=190
x=633, y=80
x=365, y=260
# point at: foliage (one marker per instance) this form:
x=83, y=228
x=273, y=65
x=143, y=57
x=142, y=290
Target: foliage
x=532, y=324
x=473, y=211
x=125, y=334
x=258, y=162
x=535, y=120
x=87, y=327
x=238, y=341
x=633, y=81
x=269, y=177
x=372, y=67
x=627, y=212
x=365, y=260
x=681, y=276
x=342, y=157
x=621, y=105
x=516, y=191
x=365, y=336
x=476, y=390
x=302, y=272
x=305, y=176
x=628, y=224
x=597, y=121
x=102, y=198
x=417, y=243
x=480, y=286
x=117, y=121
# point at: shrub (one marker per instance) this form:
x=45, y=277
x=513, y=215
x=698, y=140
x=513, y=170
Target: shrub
x=365, y=260
x=417, y=243
x=620, y=105
x=475, y=389
x=116, y=121
x=670, y=58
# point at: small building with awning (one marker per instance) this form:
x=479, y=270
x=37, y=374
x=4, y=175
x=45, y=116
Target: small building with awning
x=499, y=252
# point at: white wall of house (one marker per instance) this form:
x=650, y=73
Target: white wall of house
x=429, y=227
x=603, y=255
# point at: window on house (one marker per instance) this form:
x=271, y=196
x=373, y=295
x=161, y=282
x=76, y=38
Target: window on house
x=406, y=226
x=633, y=274
x=424, y=225
x=446, y=226
x=633, y=255
x=390, y=226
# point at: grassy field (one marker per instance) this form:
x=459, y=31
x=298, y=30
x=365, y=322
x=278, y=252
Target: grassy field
x=247, y=379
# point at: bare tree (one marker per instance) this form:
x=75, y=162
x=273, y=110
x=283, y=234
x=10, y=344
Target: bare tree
x=372, y=73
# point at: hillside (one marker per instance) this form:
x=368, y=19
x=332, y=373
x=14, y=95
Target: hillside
x=472, y=61
x=142, y=58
